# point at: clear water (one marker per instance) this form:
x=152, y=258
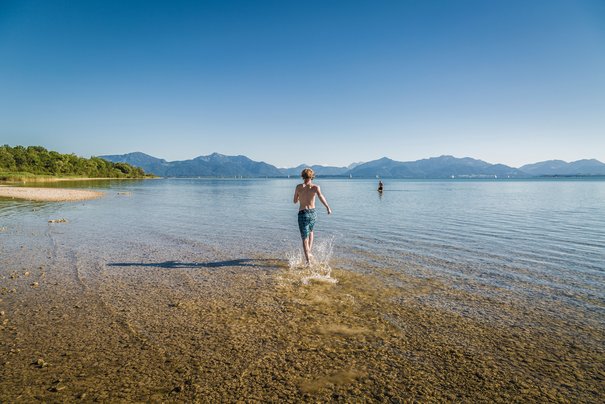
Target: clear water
x=540, y=240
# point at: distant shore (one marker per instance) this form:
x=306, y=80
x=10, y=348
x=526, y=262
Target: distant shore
x=20, y=179
x=48, y=194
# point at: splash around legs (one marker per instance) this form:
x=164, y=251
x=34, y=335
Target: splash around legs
x=307, y=247
x=308, y=267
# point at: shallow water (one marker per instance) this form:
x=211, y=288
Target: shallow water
x=507, y=272
x=540, y=239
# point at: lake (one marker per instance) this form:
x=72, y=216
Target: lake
x=539, y=239
x=521, y=255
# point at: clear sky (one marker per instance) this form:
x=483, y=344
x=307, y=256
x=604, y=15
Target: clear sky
x=316, y=82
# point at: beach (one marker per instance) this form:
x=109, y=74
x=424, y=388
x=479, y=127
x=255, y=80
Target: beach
x=144, y=296
x=228, y=331
x=48, y=194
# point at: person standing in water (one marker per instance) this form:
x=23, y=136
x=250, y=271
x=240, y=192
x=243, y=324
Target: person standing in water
x=380, y=186
x=305, y=194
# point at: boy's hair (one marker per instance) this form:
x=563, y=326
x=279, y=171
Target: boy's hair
x=307, y=173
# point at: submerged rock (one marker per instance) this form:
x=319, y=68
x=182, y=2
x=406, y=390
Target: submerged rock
x=40, y=363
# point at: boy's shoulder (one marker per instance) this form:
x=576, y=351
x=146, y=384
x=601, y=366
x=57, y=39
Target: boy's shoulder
x=312, y=187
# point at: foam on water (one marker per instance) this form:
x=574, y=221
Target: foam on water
x=319, y=269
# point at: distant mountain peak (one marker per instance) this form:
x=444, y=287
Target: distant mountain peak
x=134, y=158
x=138, y=153
x=560, y=167
x=213, y=165
x=444, y=166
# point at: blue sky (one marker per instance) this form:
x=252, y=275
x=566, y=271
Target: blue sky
x=317, y=82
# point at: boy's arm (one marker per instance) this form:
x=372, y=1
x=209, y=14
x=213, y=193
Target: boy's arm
x=323, y=200
x=296, y=194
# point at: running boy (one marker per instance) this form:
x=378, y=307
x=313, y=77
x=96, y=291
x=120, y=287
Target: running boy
x=305, y=193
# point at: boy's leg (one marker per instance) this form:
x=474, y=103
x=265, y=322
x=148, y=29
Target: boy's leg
x=310, y=241
x=306, y=248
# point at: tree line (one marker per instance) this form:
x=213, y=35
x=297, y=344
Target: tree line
x=39, y=161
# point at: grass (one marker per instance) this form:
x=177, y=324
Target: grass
x=15, y=177
x=21, y=176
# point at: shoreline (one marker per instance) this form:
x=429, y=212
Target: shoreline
x=25, y=180
x=257, y=332
x=48, y=194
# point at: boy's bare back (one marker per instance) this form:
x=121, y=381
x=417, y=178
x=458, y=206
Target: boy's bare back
x=305, y=193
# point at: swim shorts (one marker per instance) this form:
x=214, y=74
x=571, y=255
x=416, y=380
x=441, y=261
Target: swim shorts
x=306, y=221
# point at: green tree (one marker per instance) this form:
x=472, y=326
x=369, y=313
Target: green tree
x=38, y=160
x=7, y=161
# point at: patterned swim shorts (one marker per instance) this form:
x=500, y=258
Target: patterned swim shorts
x=306, y=221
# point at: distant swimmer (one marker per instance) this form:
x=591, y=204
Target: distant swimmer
x=305, y=194
x=380, y=186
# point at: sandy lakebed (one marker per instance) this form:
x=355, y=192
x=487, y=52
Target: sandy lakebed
x=228, y=331
x=48, y=194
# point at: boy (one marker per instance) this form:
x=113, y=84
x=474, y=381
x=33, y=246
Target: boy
x=305, y=193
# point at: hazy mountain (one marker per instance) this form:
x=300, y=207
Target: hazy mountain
x=435, y=167
x=214, y=165
x=353, y=165
x=148, y=163
x=318, y=169
x=384, y=167
x=560, y=167
x=219, y=165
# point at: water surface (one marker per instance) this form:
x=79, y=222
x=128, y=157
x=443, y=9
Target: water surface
x=192, y=290
x=540, y=239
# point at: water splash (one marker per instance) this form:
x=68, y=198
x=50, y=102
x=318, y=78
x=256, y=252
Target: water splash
x=319, y=269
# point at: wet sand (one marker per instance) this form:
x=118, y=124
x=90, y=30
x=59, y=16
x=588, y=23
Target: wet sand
x=252, y=330
x=48, y=194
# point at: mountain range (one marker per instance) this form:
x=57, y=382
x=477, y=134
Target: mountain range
x=219, y=165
